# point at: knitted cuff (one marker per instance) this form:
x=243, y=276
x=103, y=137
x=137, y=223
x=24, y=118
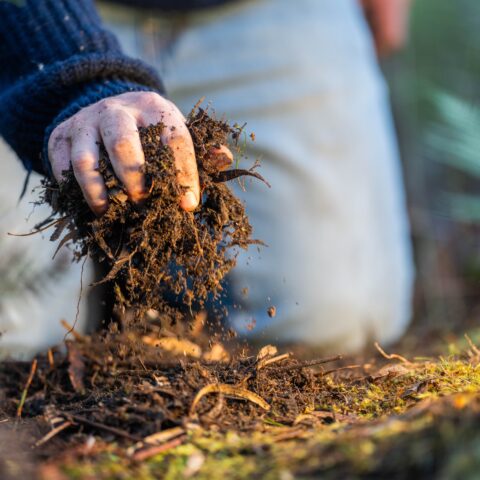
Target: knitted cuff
x=34, y=103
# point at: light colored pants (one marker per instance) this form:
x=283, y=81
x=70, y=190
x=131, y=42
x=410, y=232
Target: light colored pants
x=303, y=75
x=36, y=292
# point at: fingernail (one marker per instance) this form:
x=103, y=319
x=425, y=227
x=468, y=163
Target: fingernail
x=189, y=201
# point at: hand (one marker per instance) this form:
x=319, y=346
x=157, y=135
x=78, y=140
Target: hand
x=115, y=121
x=388, y=20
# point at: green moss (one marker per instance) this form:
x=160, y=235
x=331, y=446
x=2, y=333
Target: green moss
x=422, y=419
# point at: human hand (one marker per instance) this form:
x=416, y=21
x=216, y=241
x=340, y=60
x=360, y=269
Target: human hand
x=388, y=20
x=115, y=121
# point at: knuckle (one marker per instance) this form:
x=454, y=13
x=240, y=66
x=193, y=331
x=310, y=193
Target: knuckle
x=181, y=143
x=152, y=97
x=83, y=161
x=124, y=144
x=107, y=103
x=98, y=204
x=76, y=123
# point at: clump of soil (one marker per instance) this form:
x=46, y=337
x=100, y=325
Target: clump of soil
x=156, y=253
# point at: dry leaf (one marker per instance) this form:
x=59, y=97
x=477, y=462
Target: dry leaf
x=229, y=391
x=391, y=371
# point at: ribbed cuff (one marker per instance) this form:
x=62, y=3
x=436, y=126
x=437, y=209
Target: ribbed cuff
x=33, y=104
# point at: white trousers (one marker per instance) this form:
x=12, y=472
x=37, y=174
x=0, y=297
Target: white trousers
x=304, y=76
x=36, y=292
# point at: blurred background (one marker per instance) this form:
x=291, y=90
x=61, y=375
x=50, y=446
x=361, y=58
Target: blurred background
x=435, y=87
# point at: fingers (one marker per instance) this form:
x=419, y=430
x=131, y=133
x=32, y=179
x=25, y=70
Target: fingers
x=389, y=21
x=221, y=158
x=114, y=120
x=121, y=139
x=177, y=137
x=59, y=153
x=84, y=158
x=180, y=141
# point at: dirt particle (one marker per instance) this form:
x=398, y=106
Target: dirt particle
x=272, y=311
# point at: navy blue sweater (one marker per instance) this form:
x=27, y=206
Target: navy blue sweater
x=55, y=58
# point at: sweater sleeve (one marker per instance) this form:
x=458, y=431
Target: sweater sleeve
x=56, y=58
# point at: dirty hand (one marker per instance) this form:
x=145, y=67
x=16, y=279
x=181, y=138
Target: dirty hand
x=114, y=122
x=388, y=20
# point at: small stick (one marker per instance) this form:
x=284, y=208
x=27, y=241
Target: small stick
x=71, y=329
x=33, y=369
x=152, y=451
x=348, y=367
x=310, y=363
x=392, y=356
x=268, y=361
x=101, y=426
x=38, y=230
x=51, y=359
x=52, y=433
x=474, y=348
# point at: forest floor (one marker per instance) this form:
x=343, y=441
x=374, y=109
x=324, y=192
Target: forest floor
x=176, y=408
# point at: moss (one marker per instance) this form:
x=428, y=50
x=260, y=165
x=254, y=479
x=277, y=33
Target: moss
x=421, y=420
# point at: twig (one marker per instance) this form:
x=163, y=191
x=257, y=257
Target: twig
x=310, y=363
x=70, y=329
x=38, y=230
x=348, y=367
x=195, y=107
x=392, y=356
x=33, y=369
x=79, y=296
x=474, y=348
x=51, y=359
x=268, y=361
x=101, y=426
x=152, y=451
x=53, y=433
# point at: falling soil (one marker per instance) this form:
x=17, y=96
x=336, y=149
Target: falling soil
x=159, y=256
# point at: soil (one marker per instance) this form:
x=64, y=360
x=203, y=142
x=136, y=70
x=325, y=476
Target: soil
x=157, y=255
x=150, y=406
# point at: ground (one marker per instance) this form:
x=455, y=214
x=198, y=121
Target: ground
x=266, y=416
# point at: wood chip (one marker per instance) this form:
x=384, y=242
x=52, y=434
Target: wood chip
x=217, y=354
x=174, y=345
x=266, y=351
x=76, y=367
x=147, y=453
x=268, y=361
x=163, y=436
